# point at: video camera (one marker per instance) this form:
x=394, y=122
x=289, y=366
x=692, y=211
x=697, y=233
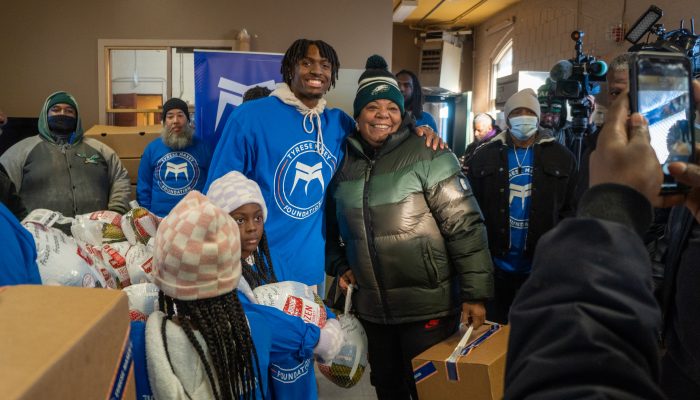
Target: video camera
x=574, y=81
x=677, y=41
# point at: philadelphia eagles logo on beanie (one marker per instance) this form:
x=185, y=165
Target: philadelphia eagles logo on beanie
x=379, y=89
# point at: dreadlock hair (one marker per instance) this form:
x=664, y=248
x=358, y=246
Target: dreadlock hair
x=298, y=50
x=416, y=106
x=256, y=92
x=261, y=273
x=222, y=323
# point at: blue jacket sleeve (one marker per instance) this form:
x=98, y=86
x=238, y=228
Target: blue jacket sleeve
x=144, y=184
x=289, y=333
x=138, y=348
x=233, y=152
x=18, y=264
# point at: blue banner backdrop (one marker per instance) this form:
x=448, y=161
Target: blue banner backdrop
x=221, y=78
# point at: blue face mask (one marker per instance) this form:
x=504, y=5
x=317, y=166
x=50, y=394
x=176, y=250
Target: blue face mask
x=523, y=127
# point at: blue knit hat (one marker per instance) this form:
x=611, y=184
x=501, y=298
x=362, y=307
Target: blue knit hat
x=376, y=83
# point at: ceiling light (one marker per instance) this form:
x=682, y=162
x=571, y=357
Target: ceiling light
x=404, y=9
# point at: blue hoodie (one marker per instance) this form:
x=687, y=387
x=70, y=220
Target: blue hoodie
x=167, y=175
x=266, y=141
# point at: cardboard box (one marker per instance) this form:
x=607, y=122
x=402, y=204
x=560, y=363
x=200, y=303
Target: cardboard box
x=64, y=343
x=126, y=141
x=477, y=375
x=132, y=166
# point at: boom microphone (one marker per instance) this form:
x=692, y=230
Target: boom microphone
x=562, y=70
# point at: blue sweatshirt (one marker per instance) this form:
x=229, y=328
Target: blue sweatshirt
x=427, y=119
x=291, y=374
x=18, y=263
x=167, y=175
x=265, y=140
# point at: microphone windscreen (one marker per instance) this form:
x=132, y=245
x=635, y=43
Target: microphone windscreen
x=561, y=70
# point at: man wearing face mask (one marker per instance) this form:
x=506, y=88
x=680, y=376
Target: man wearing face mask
x=174, y=164
x=524, y=181
x=60, y=170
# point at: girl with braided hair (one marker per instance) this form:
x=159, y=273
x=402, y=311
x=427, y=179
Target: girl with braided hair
x=201, y=344
x=294, y=342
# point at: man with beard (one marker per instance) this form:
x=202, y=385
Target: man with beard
x=173, y=164
x=60, y=170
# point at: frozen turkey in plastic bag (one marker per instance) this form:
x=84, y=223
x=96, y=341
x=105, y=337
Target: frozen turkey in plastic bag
x=294, y=298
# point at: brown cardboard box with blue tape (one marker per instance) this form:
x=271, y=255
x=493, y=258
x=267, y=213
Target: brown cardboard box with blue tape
x=64, y=343
x=477, y=373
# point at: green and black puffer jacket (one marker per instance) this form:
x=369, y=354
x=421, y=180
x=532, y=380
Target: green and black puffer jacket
x=413, y=232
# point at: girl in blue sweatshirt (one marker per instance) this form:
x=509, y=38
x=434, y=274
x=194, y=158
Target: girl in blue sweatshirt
x=294, y=342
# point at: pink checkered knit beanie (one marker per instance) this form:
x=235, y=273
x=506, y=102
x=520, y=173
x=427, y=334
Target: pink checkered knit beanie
x=197, y=250
x=234, y=190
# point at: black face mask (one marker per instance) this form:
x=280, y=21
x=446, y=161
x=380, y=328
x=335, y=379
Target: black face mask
x=62, y=125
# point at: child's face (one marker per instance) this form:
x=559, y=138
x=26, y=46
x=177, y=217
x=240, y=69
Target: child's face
x=249, y=218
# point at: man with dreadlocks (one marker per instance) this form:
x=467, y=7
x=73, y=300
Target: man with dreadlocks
x=294, y=342
x=200, y=345
x=291, y=144
x=413, y=98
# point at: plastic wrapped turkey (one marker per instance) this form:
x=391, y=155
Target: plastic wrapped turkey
x=139, y=225
x=347, y=368
x=61, y=261
x=98, y=227
x=294, y=298
x=143, y=300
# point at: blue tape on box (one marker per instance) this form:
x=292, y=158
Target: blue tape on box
x=451, y=366
x=424, y=371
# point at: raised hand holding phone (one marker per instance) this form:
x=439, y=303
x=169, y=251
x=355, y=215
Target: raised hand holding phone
x=660, y=86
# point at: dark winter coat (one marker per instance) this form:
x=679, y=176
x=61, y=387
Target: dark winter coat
x=413, y=232
x=553, y=184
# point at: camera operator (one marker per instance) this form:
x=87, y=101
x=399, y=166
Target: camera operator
x=618, y=81
x=554, y=117
x=575, y=81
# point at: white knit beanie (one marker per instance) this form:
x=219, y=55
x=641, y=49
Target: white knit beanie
x=234, y=190
x=526, y=98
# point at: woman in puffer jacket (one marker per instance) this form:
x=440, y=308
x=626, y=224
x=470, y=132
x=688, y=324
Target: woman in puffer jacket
x=414, y=240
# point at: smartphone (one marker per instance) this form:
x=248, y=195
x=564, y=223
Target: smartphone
x=660, y=90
